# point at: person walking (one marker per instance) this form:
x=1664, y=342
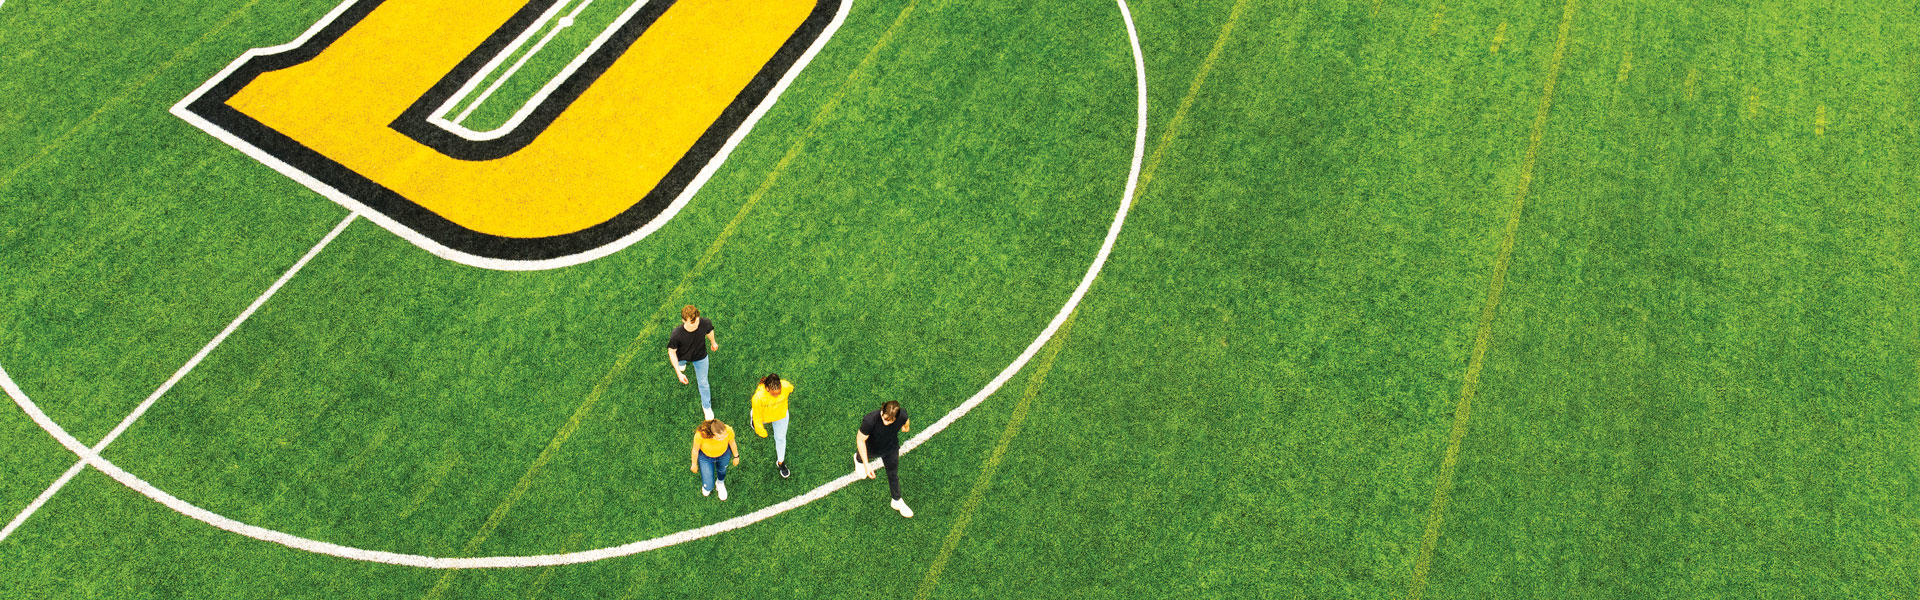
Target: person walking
x=879, y=437
x=684, y=347
x=770, y=412
x=713, y=449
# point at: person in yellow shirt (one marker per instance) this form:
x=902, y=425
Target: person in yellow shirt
x=770, y=412
x=713, y=448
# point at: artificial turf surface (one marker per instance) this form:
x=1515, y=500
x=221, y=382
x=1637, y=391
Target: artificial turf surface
x=1701, y=380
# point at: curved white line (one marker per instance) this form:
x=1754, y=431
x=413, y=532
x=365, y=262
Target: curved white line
x=178, y=374
x=93, y=459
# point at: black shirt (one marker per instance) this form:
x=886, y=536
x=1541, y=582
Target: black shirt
x=688, y=345
x=882, y=439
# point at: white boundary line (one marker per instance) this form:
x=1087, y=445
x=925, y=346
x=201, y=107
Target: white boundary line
x=453, y=126
x=168, y=385
x=440, y=250
x=494, y=64
x=92, y=457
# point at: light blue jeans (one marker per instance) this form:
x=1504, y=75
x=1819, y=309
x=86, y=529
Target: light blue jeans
x=700, y=375
x=779, y=431
x=714, y=468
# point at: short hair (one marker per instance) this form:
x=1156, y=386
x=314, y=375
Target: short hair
x=890, y=410
x=772, y=380
x=689, y=313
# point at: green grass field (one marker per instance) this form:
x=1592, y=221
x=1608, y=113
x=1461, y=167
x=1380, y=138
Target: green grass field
x=1564, y=299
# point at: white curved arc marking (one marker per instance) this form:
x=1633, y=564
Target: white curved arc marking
x=178, y=374
x=93, y=459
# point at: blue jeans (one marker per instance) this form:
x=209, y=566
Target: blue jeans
x=779, y=431
x=714, y=468
x=700, y=375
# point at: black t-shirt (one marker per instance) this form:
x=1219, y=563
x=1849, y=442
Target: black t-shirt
x=689, y=345
x=882, y=439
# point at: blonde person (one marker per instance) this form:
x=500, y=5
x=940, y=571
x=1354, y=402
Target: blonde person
x=684, y=347
x=713, y=449
x=770, y=412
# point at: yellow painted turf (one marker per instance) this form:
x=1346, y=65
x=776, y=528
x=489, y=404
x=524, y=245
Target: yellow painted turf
x=612, y=145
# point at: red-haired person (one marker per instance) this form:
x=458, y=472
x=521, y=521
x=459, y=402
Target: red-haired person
x=684, y=347
x=879, y=438
x=713, y=449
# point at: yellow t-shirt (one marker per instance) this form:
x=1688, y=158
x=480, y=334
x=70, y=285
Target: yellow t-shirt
x=768, y=408
x=713, y=446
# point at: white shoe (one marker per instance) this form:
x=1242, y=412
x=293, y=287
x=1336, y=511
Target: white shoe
x=899, y=505
x=708, y=412
x=722, y=485
x=704, y=491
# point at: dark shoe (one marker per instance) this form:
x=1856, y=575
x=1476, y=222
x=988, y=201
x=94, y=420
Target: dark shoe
x=784, y=473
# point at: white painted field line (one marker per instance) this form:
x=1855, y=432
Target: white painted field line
x=93, y=458
x=41, y=499
x=553, y=84
x=564, y=23
x=175, y=379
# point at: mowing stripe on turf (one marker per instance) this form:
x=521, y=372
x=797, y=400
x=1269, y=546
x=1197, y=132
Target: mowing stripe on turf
x=648, y=332
x=1443, y=486
x=117, y=101
x=1193, y=91
x=177, y=376
x=985, y=479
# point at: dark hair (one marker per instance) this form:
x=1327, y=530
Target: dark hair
x=712, y=428
x=689, y=313
x=890, y=410
x=772, y=380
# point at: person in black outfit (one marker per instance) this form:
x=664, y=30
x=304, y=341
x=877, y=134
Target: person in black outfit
x=879, y=437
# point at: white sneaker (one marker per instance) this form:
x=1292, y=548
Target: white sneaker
x=708, y=412
x=899, y=505
x=723, y=489
x=704, y=491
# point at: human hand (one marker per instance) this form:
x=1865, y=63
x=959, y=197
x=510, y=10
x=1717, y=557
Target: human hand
x=682, y=375
x=695, y=468
x=867, y=470
x=736, y=462
x=713, y=347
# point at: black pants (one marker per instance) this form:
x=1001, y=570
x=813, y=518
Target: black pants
x=892, y=461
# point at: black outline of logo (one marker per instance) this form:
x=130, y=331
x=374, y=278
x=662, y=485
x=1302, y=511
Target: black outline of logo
x=213, y=107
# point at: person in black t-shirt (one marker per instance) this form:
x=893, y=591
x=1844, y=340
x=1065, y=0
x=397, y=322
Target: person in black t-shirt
x=684, y=347
x=879, y=437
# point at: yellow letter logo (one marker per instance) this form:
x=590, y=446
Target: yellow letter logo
x=588, y=148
